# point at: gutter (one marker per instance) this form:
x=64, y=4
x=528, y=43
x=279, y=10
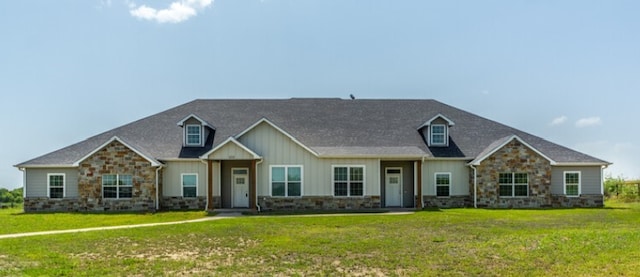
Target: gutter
x=475, y=186
x=157, y=186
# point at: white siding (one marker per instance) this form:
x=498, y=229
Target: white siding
x=172, y=177
x=591, y=179
x=459, y=176
x=230, y=151
x=278, y=149
x=37, y=181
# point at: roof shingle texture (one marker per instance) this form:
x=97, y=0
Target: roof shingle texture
x=327, y=126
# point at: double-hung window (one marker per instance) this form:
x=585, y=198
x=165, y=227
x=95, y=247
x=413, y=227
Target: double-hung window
x=193, y=135
x=55, y=184
x=348, y=180
x=438, y=134
x=572, y=183
x=189, y=185
x=286, y=180
x=117, y=186
x=514, y=184
x=443, y=184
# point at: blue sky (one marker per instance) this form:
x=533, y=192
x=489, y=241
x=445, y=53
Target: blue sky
x=567, y=71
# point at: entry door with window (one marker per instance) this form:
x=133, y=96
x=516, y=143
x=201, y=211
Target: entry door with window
x=393, y=187
x=240, y=184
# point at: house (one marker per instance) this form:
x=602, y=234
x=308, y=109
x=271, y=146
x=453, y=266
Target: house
x=311, y=154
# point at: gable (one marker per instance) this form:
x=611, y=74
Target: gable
x=231, y=149
x=121, y=146
x=510, y=144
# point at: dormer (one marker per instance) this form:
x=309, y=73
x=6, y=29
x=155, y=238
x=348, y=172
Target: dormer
x=436, y=131
x=195, y=131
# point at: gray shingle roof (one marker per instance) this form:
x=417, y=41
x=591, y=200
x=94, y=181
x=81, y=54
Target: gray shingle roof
x=330, y=127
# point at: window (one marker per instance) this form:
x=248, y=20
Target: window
x=438, y=134
x=55, y=183
x=286, y=180
x=194, y=135
x=348, y=180
x=117, y=186
x=189, y=185
x=572, y=183
x=514, y=184
x=443, y=184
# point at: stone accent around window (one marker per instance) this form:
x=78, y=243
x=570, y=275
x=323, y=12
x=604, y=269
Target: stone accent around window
x=514, y=157
x=318, y=203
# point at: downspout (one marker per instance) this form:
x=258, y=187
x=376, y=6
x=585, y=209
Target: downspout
x=424, y=158
x=206, y=187
x=24, y=182
x=475, y=186
x=157, y=187
x=256, y=173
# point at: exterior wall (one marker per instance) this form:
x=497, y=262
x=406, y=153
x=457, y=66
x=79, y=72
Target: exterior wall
x=180, y=203
x=37, y=181
x=116, y=158
x=408, y=176
x=319, y=203
x=230, y=151
x=459, y=176
x=514, y=158
x=172, y=177
x=448, y=202
x=591, y=179
x=278, y=149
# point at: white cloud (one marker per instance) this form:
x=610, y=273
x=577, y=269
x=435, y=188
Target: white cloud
x=588, y=122
x=559, y=120
x=176, y=12
x=104, y=4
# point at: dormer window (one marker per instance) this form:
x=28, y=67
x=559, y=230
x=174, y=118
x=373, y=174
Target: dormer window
x=436, y=131
x=193, y=135
x=438, y=134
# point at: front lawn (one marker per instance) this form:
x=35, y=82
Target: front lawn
x=453, y=242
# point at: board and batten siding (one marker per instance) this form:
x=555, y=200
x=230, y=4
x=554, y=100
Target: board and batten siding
x=459, y=176
x=230, y=151
x=278, y=149
x=37, y=181
x=172, y=177
x=591, y=179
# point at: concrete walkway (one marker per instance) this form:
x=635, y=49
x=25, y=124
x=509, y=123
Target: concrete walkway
x=210, y=218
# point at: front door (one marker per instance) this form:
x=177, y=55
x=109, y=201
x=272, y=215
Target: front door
x=240, y=185
x=393, y=187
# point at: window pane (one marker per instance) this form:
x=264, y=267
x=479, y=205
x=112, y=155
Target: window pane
x=340, y=174
x=572, y=190
x=125, y=192
x=277, y=174
x=521, y=178
x=108, y=180
x=506, y=190
x=341, y=189
x=521, y=190
x=110, y=192
x=189, y=191
x=125, y=180
x=293, y=189
x=277, y=189
x=442, y=191
x=293, y=174
x=505, y=178
x=356, y=173
x=189, y=180
x=56, y=181
x=437, y=134
x=193, y=134
x=442, y=179
x=572, y=178
x=240, y=171
x=356, y=189
x=56, y=192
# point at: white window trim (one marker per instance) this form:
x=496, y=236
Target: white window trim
x=186, y=135
x=564, y=181
x=286, y=170
x=64, y=184
x=445, y=139
x=182, y=184
x=435, y=183
x=513, y=185
x=348, y=166
x=117, y=186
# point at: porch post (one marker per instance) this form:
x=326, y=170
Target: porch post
x=419, y=182
x=210, y=185
x=253, y=185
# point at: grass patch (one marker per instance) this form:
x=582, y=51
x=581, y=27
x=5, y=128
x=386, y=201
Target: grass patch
x=452, y=242
x=16, y=221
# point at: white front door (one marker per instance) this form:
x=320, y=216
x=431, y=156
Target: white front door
x=393, y=187
x=240, y=184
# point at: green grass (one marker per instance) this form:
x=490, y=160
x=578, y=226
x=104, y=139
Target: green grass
x=453, y=242
x=15, y=221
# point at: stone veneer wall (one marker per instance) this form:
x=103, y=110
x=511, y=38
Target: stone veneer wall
x=116, y=158
x=514, y=157
x=318, y=203
x=584, y=201
x=182, y=203
x=448, y=202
